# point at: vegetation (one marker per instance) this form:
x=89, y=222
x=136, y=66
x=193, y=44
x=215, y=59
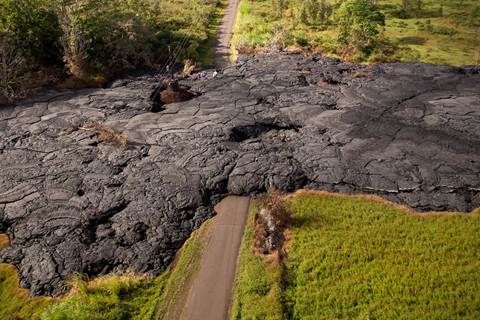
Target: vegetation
x=353, y=257
x=359, y=23
x=15, y=303
x=108, y=297
x=270, y=224
x=107, y=134
x=94, y=40
x=258, y=288
x=444, y=31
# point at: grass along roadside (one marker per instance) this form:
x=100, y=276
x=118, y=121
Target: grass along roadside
x=353, y=257
x=110, y=297
x=171, y=301
x=258, y=292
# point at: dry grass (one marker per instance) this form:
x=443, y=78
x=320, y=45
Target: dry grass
x=271, y=225
x=274, y=201
x=4, y=241
x=248, y=50
x=107, y=134
x=324, y=84
x=188, y=67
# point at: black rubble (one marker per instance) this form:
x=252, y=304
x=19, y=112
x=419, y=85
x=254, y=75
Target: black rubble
x=71, y=203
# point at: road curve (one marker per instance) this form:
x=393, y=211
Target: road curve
x=224, y=36
x=211, y=291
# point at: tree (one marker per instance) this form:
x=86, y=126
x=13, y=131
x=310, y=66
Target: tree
x=34, y=28
x=359, y=22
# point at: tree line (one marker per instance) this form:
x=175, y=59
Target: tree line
x=94, y=40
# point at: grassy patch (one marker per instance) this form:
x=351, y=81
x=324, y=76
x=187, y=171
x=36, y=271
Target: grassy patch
x=450, y=37
x=108, y=297
x=354, y=258
x=15, y=303
x=258, y=285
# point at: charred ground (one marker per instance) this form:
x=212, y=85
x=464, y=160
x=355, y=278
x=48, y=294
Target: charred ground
x=71, y=202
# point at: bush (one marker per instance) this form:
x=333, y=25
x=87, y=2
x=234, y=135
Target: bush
x=274, y=201
x=359, y=22
x=11, y=62
x=95, y=40
x=104, y=37
x=34, y=28
x=302, y=41
x=444, y=31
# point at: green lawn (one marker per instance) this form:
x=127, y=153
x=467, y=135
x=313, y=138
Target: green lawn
x=108, y=297
x=355, y=258
x=430, y=37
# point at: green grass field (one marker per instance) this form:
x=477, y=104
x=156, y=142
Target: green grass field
x=449, y=38
x=354, y=258
x=129, y=297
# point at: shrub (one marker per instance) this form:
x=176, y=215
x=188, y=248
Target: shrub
x=105, y=37
x=302, y=41
x=359, y=22
x=11, y=63
x=273, y=201
x=245, y=8
x=444, y=31
x=34, y=27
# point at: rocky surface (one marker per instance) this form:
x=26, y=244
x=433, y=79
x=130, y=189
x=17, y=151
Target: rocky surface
x=72, y=203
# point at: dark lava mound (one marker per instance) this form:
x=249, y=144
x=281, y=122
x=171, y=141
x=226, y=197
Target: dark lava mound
x=72, y=203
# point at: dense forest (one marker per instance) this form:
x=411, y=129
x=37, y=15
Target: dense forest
x=93, y=40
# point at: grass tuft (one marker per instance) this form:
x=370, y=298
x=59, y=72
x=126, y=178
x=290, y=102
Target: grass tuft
x=107, y=134
x=4, y=241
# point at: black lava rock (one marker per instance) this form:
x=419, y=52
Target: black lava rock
x=71, y=202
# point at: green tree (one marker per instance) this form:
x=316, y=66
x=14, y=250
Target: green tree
x=105, y=36
x=359, y=22
x=34, y=28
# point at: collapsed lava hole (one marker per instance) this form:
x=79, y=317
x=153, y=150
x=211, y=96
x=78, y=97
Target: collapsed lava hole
x=169, y=92
x=245, y=132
